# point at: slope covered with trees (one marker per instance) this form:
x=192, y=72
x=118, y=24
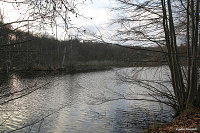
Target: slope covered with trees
x=24, y=51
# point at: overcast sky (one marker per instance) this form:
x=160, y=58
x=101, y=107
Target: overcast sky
x=98, y=10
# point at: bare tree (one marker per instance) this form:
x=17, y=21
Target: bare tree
x=161, y=23
x=52, y=13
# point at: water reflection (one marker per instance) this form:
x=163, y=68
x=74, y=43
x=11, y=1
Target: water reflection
x=14, y=82
x=63, y=106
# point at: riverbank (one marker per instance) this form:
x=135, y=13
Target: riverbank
x=51, y=72
x=72, y=68
x=187, y=122
x=78, y=67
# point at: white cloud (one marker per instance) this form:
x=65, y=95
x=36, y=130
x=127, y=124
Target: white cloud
x=96, y=9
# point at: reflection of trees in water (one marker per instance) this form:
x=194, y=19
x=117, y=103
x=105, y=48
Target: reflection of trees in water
x=138, y=118
x=16, y=100
x=4, y=78
x=73, y=87
x=66, y=92
x=10, y=84
x=71, y=90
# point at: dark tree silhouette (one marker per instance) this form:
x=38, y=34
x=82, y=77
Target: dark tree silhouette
x=163, y=23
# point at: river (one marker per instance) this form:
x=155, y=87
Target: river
x=80, y=103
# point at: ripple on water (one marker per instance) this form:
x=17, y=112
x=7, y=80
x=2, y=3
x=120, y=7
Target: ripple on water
x=66, y=100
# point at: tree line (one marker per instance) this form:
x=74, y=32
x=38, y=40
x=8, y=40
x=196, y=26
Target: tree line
x=25, y=51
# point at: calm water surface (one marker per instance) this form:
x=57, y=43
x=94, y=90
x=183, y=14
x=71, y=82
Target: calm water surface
x=81, y=103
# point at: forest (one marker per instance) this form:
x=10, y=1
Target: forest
x=23, y=51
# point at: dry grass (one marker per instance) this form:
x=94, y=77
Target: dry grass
x=187, y=122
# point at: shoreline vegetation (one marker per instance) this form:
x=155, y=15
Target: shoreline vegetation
x=187, y=122
x=25, y=51
x=84, y=67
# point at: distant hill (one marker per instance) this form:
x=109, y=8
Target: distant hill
x=24, y=51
